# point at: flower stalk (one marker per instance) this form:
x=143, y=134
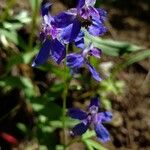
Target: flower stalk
x=64, y=97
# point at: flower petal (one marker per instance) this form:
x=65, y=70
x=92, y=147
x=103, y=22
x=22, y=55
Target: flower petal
x=43, y=55
x=102, y=132
x=64, y=19
x=95, y=52
x=74, y=60
x=104, y=116
x=70, y=32
x=81, y=3
x=47, y=20
x=77, y=114
x=57, y=51
x=42, y=36
x=102, y=14
x=90, y=2
x=45, y=8
x=94, y=73
x=79, y=129
x=94, y=102
x=79, y=41
x=97, y=28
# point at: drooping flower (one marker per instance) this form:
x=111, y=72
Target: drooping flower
x=84, y=15
x=77, y=60
x=92, y=117
x=50, y=36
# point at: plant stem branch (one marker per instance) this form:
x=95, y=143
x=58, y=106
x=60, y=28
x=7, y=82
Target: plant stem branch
x=33, y=27
x=64, y=97
x=64, y=112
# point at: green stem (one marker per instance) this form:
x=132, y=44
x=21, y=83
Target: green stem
x=33, y=27
x=64, y=124
x=64, y=97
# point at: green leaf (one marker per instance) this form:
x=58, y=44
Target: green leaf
x=12, y=26
x=95, y=144
x=22, y=127
x=88, y=134
x=12, y=81
x=59, y=147
x=137, y=57
x=105, y=48
x=14, y=37
x=22, y=58
x=43, y=147
x=89, y=147
x=23, y=17
x=111, y=47
x=22, y=83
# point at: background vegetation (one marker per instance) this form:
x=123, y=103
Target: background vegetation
x=31, y=98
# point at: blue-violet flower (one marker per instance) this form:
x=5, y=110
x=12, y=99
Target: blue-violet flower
x=76, y=60
x=84, y=15
x=91, y=117
x=50, y=36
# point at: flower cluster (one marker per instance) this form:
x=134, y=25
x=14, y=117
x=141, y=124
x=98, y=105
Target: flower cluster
x=67, y=27
x=92, y=117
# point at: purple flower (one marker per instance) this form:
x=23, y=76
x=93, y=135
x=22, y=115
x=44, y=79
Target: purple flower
x=85, y=15
x=92, y=117
x=50, y=36
x=75, y=61
x=45, y=8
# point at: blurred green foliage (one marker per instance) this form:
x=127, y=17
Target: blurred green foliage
x=45, y=94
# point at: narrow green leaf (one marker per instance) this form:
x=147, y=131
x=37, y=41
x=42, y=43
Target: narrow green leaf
x=105, y=48
x=88, y=134
x=89, y=147
x=95, y=144
x=111, y=47
x=137, y=57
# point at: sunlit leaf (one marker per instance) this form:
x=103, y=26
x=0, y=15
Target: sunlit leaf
x=59, y=147
x=22, y=127
x=95, y=144
x=14, y=37
x=89, y=147
x=12, y=26
x=23, y=17
x=111, y=47
x=88, y=134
